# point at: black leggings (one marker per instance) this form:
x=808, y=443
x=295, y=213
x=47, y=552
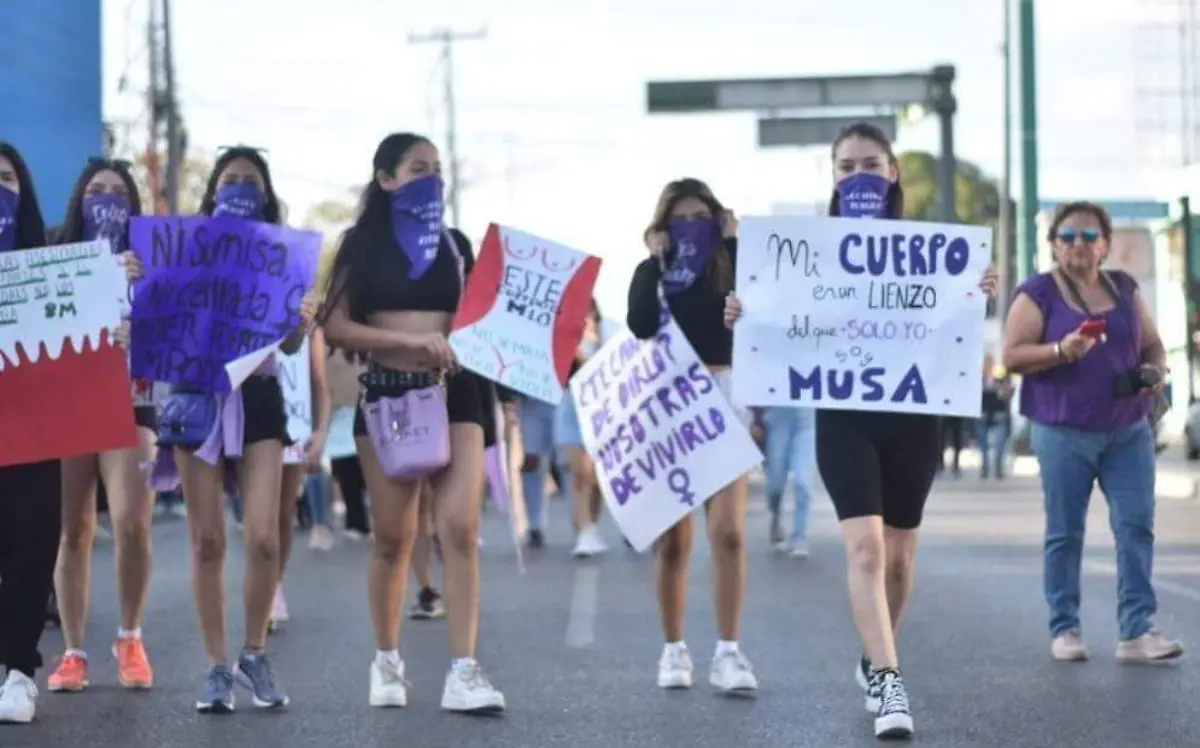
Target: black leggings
x=348, y=473
x=30, y=525
x=878, y=464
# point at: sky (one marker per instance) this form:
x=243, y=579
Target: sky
x=552, y=129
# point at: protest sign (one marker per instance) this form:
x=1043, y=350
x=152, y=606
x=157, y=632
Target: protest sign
x=218, y=296
x=295, y=377
x=64, y=384
x=860, y=314
x=523, y=312
x=662, y=435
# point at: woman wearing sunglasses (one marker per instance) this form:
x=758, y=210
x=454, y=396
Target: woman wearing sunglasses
x=30, y=493
x=240, y=186
x=1093, y=367
x=104, y=198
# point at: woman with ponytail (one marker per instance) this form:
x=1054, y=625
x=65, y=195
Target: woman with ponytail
x=105, y=197
x=394, y=289
x=878, y=467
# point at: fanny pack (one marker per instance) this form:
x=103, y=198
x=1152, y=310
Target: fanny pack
x=186, y=418
x=411, y=431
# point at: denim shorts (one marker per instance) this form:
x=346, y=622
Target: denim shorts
x=567, y=429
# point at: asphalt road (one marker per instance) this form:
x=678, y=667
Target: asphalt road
x=574, y=646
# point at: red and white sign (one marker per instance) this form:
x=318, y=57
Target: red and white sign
x=64, y=384
x=522, y=315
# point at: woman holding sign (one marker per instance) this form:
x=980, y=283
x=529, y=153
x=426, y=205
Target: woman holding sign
x=104, y=198
x=693, y=246
x=395, y=287
x=239, y=187
x=878, y=467
x=30, y=493
x=1095, y=371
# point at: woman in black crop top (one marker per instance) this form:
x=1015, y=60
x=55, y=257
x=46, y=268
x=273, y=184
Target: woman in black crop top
x=878, y=467
x=30, y=493
x=394, y=289
x=693, y=246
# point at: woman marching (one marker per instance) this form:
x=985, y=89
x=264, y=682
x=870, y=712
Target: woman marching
x=30, y=493
x=693, y=246
x=101, y=204
x=568, y=441
x=308, y=458
x=239, y=186
x=878, y=467
x=395, y=287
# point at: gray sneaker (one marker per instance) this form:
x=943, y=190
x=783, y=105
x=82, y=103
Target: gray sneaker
x=254, y=672
x=217, y=695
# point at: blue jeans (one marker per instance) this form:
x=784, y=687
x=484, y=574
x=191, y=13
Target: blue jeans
x=992, y=437
x=791, y=448
x=1071, y=461
x=318, y=494
x=537, y=438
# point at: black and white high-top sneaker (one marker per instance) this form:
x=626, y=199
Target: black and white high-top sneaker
x=862, y=674
x=893, y=719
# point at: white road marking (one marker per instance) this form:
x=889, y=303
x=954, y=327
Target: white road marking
x=581, y=619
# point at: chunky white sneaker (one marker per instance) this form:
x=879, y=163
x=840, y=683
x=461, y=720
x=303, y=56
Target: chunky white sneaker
x=1152, y=646
x=468, y=690
x=893, y=718
x=589, y=543
x=18, y=699
x=732, y=674
x=675, y=667
x=1069, y=647
x=388, y=687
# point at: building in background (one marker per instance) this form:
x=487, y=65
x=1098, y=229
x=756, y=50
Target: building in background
x=50, y=86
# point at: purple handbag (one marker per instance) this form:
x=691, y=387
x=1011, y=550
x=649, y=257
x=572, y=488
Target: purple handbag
x=410, y=433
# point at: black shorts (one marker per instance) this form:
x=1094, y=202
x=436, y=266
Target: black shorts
x=464, y=394
x=263, y=407
x=146, y=416
x=878, y=464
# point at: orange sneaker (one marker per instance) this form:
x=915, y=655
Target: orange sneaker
x=71, y=675
x=133, y=666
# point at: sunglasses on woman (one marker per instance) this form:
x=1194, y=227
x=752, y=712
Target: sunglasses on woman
x=1070, y=236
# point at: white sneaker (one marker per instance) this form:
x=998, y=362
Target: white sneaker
x=388, y=687
x=675, y=667
x=589, y=543
x=1152, y=646
x=798, y=549
x=320, y=538
x=18, y=699
x=731, y=673
x=1069, y=647
x=279, y=609
x=468, y=690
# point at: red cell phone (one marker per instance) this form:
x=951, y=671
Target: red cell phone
x=1093, y=328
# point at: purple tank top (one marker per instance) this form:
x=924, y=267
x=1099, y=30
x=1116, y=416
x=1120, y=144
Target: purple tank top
x=1081, y=395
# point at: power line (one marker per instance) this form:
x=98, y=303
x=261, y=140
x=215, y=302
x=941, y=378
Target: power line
x=447, y=38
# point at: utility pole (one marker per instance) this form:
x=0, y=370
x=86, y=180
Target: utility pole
x=175, y=142
x=447, y=38
x=153, y=163
x=1004, y=231
x=1027, y=225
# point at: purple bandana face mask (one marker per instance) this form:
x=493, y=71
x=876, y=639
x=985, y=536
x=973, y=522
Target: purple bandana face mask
x=694, y=242
x=241, y=200
x=417, y=210
x=106, y=216
x=863, y=196
x=9, y=202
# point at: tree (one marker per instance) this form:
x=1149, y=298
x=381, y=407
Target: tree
x=330, y=217
x=193, y=180
x=977, y=197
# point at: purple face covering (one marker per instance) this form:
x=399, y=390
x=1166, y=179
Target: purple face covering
x=417, y=210
x=106, y=216
x=863, y=196
x=9, y=202
x=240, y=199
x=694, y=243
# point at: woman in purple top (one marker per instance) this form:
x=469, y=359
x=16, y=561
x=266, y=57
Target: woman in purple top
x=1092, y=361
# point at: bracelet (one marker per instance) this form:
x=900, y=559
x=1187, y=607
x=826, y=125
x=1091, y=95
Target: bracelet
x=1057, y=351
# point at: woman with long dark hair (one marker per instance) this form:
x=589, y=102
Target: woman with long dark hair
x=878, y=467
x=240, y=186
x=693, y=244
x=394, y=290
x=30, y=493
x=103, y=200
